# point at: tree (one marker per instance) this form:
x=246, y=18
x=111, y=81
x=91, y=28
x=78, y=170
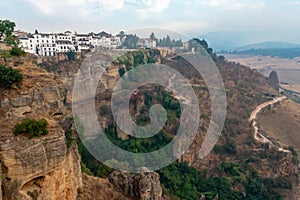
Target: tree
x=168, y=41
x=9, y=76
x=152, y=36
x=121, y=34
x=71, y=55
x=6, y=28
x=131, y=41
x=11, y=40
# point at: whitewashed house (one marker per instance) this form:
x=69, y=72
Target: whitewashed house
x=64, y=42
x=83, y=41
x=146, y=43
x=115, y=42
x=50, y=44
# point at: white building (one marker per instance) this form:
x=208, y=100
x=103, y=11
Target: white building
x=146, y=43
x=51, y=44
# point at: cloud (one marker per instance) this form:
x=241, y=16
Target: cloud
x=46, y=7
x=258, y=4
x=233, y=5
x=293, y=3
x=111, y=5
x=218, y=3
x=156, y=5
x=49, y=7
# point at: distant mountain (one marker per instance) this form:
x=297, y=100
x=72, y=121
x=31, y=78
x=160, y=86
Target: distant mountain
x=278, y=52
x=232, y=40
x=269, y=45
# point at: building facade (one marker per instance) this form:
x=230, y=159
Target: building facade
x=51, y=44
x=146, y=43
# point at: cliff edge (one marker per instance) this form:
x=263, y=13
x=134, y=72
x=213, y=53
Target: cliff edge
x=42, y=167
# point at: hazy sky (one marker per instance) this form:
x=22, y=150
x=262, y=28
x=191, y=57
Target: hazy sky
x=189, y=17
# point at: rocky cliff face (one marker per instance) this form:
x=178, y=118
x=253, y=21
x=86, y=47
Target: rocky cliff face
x=144, y=186
x=37, y=168
x=273, y=80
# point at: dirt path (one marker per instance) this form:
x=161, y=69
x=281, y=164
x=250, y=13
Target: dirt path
x=259, y=137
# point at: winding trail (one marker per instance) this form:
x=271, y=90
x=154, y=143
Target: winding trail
x=259, y=137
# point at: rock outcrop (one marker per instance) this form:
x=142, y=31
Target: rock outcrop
x=95, y=188
x=144, y=186
x=37, y=168
x=273, y=80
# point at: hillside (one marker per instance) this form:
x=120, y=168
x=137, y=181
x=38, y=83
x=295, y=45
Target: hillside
x=282, y=123
x=274, y=52
x=237, y=161
x=269, y=45
x=236, y=149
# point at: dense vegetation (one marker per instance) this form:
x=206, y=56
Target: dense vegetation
x=188, y=183
x=131, y=41
x=32, y=127
x=9, y=76
x=168, y=42
x=134, y=58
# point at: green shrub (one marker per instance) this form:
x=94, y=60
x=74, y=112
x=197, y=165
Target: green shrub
x=17, y=52
x=105, y=110
x=230, y=168
x=230, y=148
x=35, y=128
x=71, y=55
x=292, y=149
x=9, y=76
x=4, y=54
x=69, y=138
x=218, y=149
x=122, y=71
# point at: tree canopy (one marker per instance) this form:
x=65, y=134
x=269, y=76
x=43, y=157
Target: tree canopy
x=6, y=28
x=131, y=41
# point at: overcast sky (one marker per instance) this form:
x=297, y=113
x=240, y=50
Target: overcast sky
x=189, y=17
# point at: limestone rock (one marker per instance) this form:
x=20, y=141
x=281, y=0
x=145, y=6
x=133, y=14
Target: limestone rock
x=21, y=101
x=40, y=168
x=273, y=80
x=4, y=103
x=144, y=186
